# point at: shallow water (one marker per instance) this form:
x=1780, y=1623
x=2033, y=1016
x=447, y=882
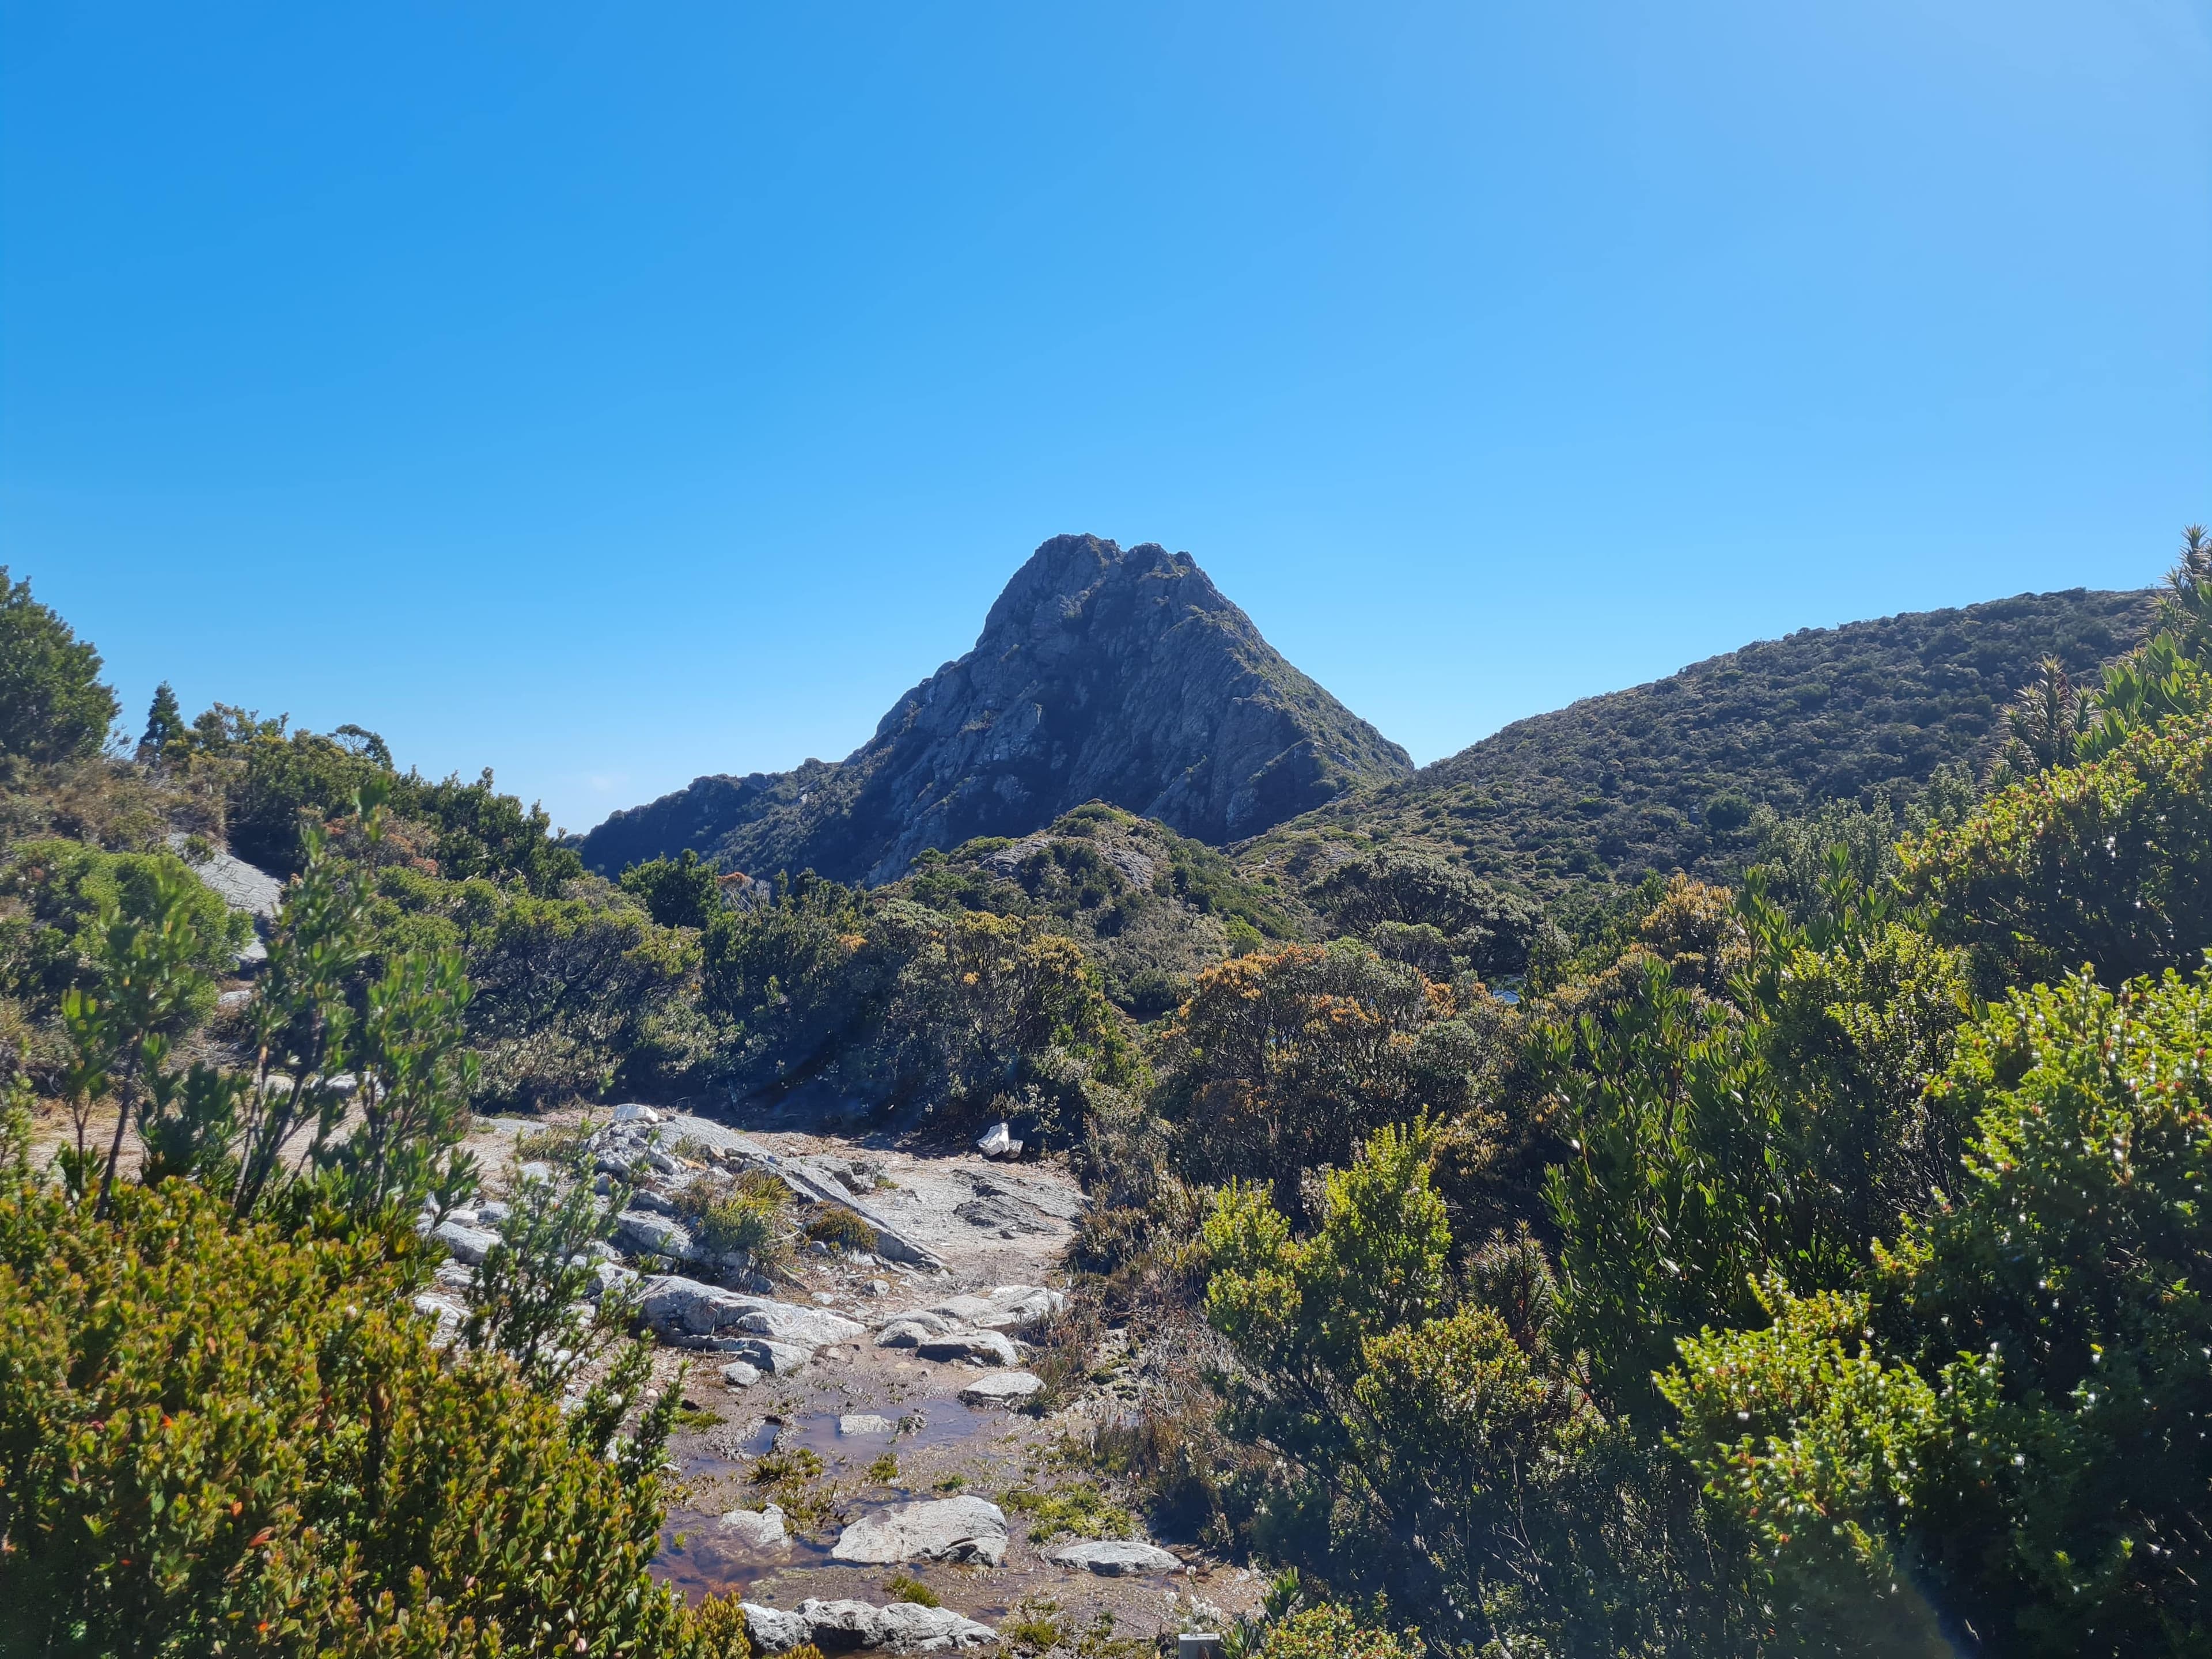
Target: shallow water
x=709, y=1559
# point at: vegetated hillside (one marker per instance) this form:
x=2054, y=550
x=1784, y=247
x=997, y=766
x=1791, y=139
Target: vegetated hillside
x=1101, y=674
x=1149, y=907
x=1667, y=776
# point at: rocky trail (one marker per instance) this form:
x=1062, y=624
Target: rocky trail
x=871, y=1432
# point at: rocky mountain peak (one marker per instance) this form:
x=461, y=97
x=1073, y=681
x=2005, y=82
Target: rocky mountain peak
x=1102, y=673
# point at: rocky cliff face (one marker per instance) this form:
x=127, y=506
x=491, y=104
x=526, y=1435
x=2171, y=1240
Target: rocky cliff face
x=1102, y=674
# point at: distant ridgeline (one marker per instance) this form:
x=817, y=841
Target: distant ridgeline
x=1125, y=676
x=1101, y=674
x=1666, y=776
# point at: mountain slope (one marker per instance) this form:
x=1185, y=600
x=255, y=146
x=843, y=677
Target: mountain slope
x=1101, y=674
x=1664, y=777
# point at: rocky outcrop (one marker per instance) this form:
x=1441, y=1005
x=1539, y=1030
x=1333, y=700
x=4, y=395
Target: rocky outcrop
x=1115, y=1559
x=1002, y=1389
x=1101, y=674
x=947, y=1530
x=975, y=1348
x=762, y=1529
x=842, y=1626
x=637, y=1147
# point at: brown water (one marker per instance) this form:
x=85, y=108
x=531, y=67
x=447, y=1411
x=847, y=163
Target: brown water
x=698, y=1556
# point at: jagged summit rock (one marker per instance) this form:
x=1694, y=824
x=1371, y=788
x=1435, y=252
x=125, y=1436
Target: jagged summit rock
x=1102, y=673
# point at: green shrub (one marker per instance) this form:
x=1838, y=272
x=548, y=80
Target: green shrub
x=574, y=995
x=1817, y=1449
x=52, y=705
x=840, y=1229
x=2108, y=864
x=745, y=1217
x=216, y=1436
x=680, y=892
x=558, y=1144
x=905, y=1587
x=1330, y=1632
x=1078, y=1509
x=1289, y=1059
x=2067, y=1497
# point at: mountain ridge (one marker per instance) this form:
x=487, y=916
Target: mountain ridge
x=1667, y=774
x=1119, y=675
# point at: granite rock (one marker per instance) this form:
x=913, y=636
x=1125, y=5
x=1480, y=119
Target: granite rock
x=943, y=1529
x=979, y=1348
x=1002, y=1389
x=776, y=1359
x=773, y=1629
x=1115, y=1559
x=903, y=1627
x=762, y=1529
x=465, y=1243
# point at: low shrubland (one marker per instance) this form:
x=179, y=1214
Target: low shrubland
x=1802, y=1264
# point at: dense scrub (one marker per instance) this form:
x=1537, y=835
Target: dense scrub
x=216, y=1438
x=1668, y=776
x=1862, y=1311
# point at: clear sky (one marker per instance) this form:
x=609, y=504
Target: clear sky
x=612, y=393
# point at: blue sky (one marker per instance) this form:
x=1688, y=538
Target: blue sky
x=609, y=394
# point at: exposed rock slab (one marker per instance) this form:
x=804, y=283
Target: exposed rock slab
x=815, y=1328
x=646, y=1233
x=1061, y=1203
x=980, y=1347
x=676, y=1306
x=820, y=1181
x=774, y=1630
x=762, y=1529
x=945, y=1530
x=844, y=1626
x=463, y=1243
x=1002, y=1389
x=1009, y=1308
x=1115, y=1559
x=904, y=1333
x=776, y=1359
x=240, y=885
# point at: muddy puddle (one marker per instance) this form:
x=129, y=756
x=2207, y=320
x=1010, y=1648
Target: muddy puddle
x=699, y=1556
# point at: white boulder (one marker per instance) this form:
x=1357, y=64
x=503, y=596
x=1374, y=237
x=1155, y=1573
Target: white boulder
x=776, y=1359
x=1115, y=1559
x=1002, y=1389
x=1019, y=1307
x=913, y=1329
x=762, y=1529
x=902, y=1627
x=773, y=1629
x=609, y=1276
x=944, y=1530
x=679, y=1307
x=959, y=1309
x=643, y=1233
x=817, y=1328
x=463, y=1242
x=980, y=1347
